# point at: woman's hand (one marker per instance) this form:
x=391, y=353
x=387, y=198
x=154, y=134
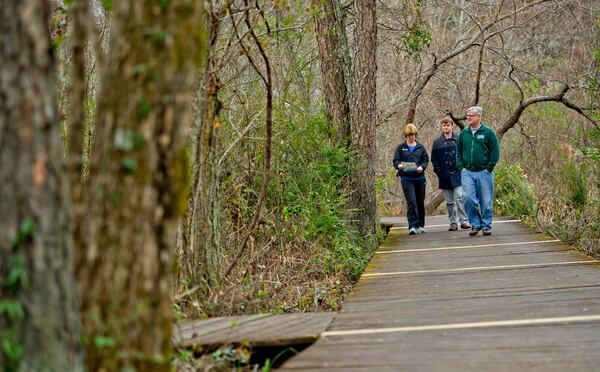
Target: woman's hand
x=419, y=169
x=400, y=166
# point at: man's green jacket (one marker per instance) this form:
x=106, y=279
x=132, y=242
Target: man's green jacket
x=477, y=151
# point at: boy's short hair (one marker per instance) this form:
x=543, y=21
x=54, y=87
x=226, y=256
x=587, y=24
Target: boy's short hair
x=447, y=120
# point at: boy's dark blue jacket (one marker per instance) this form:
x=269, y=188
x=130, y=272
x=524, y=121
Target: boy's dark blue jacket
x=443, y=159
x=418, y=156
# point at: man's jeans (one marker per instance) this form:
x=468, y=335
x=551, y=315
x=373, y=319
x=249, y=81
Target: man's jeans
x=414, y=192
x=478, y=193
x=455, y=205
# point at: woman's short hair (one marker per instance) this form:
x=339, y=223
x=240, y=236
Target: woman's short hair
x=410, y=129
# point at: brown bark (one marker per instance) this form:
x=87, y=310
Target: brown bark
x=35, y=232
x=364, y=119
x=137, y=183
x=335, y=63
x=200, y=243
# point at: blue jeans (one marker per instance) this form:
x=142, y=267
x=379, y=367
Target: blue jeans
x=414, y=192
x=478, y=192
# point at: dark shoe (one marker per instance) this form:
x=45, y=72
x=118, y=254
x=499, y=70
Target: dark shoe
x=487, y=231
x=465, y=225
x=474, y=231
x=453, y=227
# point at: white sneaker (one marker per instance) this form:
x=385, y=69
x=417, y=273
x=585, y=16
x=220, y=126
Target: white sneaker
x=412, y=231
x=421, y=230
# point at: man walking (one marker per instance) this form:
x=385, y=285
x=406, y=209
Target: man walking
x=443, y=158
x=477, y=152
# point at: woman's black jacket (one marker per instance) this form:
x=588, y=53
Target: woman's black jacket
x=418, y=156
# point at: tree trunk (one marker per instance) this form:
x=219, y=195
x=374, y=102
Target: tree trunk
x=200, y=229
x=364, y=118
x=335, y=62
x=42, y=332
x=137, y=183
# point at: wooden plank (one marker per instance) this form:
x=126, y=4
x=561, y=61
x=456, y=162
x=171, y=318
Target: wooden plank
x=202, y=327
x=451, y=311
x=257, y=330
x=558, y=347
x=482, y=268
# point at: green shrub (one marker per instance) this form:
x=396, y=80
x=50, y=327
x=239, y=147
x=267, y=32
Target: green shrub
x=514, y=195
x=312, y=169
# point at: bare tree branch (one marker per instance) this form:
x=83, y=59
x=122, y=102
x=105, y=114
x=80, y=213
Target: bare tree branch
x=431, y=71
x=269, y=135
x=558, y=97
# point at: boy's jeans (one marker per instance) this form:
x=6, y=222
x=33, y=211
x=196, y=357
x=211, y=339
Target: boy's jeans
x=455, y=205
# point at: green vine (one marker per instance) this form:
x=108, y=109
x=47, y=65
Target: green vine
x=13, y=280
x=418, y=37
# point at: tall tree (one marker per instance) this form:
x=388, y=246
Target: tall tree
x=39, y=317
x=336, y=68
x=137, y=184
x=364, y=117
x=200, y=238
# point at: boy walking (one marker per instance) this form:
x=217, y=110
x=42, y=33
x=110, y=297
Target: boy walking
x=443, y=158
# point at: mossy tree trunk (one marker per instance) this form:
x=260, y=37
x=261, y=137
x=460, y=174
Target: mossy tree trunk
x=200, y=243
x=39, y=321
x=137, y=184
x=336, y=68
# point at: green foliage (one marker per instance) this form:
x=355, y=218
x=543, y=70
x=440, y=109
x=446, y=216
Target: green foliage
x=104, y=341
x=309, y=193
x=13, y=279
x=107, y=4
x=592, y=151
x=575, y=176
x=416, y=40
x=230, y=357
x=143, y=109
x=26, y=230
x=270, y=363
x=158, y=36
x=129, y=164
x=418, y=37
x=514, y=195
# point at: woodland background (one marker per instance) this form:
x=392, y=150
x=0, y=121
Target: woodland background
x=176, y=159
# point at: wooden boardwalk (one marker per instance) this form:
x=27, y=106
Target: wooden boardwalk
x=444, y=301
x=257, y=330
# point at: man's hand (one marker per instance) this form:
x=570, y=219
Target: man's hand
x=419, y=169
x=400, y=166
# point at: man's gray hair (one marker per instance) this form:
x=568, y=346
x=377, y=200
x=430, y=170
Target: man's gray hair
x=477, y=110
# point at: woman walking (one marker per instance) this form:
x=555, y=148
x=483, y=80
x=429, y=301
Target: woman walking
x=411, y=160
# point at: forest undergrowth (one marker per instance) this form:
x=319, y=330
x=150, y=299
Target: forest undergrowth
x=304, y=255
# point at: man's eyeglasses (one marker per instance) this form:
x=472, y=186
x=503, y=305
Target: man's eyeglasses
x=470, y=115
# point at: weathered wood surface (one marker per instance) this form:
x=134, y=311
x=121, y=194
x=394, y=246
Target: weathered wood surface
x=257, y=330
x=444, y=301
